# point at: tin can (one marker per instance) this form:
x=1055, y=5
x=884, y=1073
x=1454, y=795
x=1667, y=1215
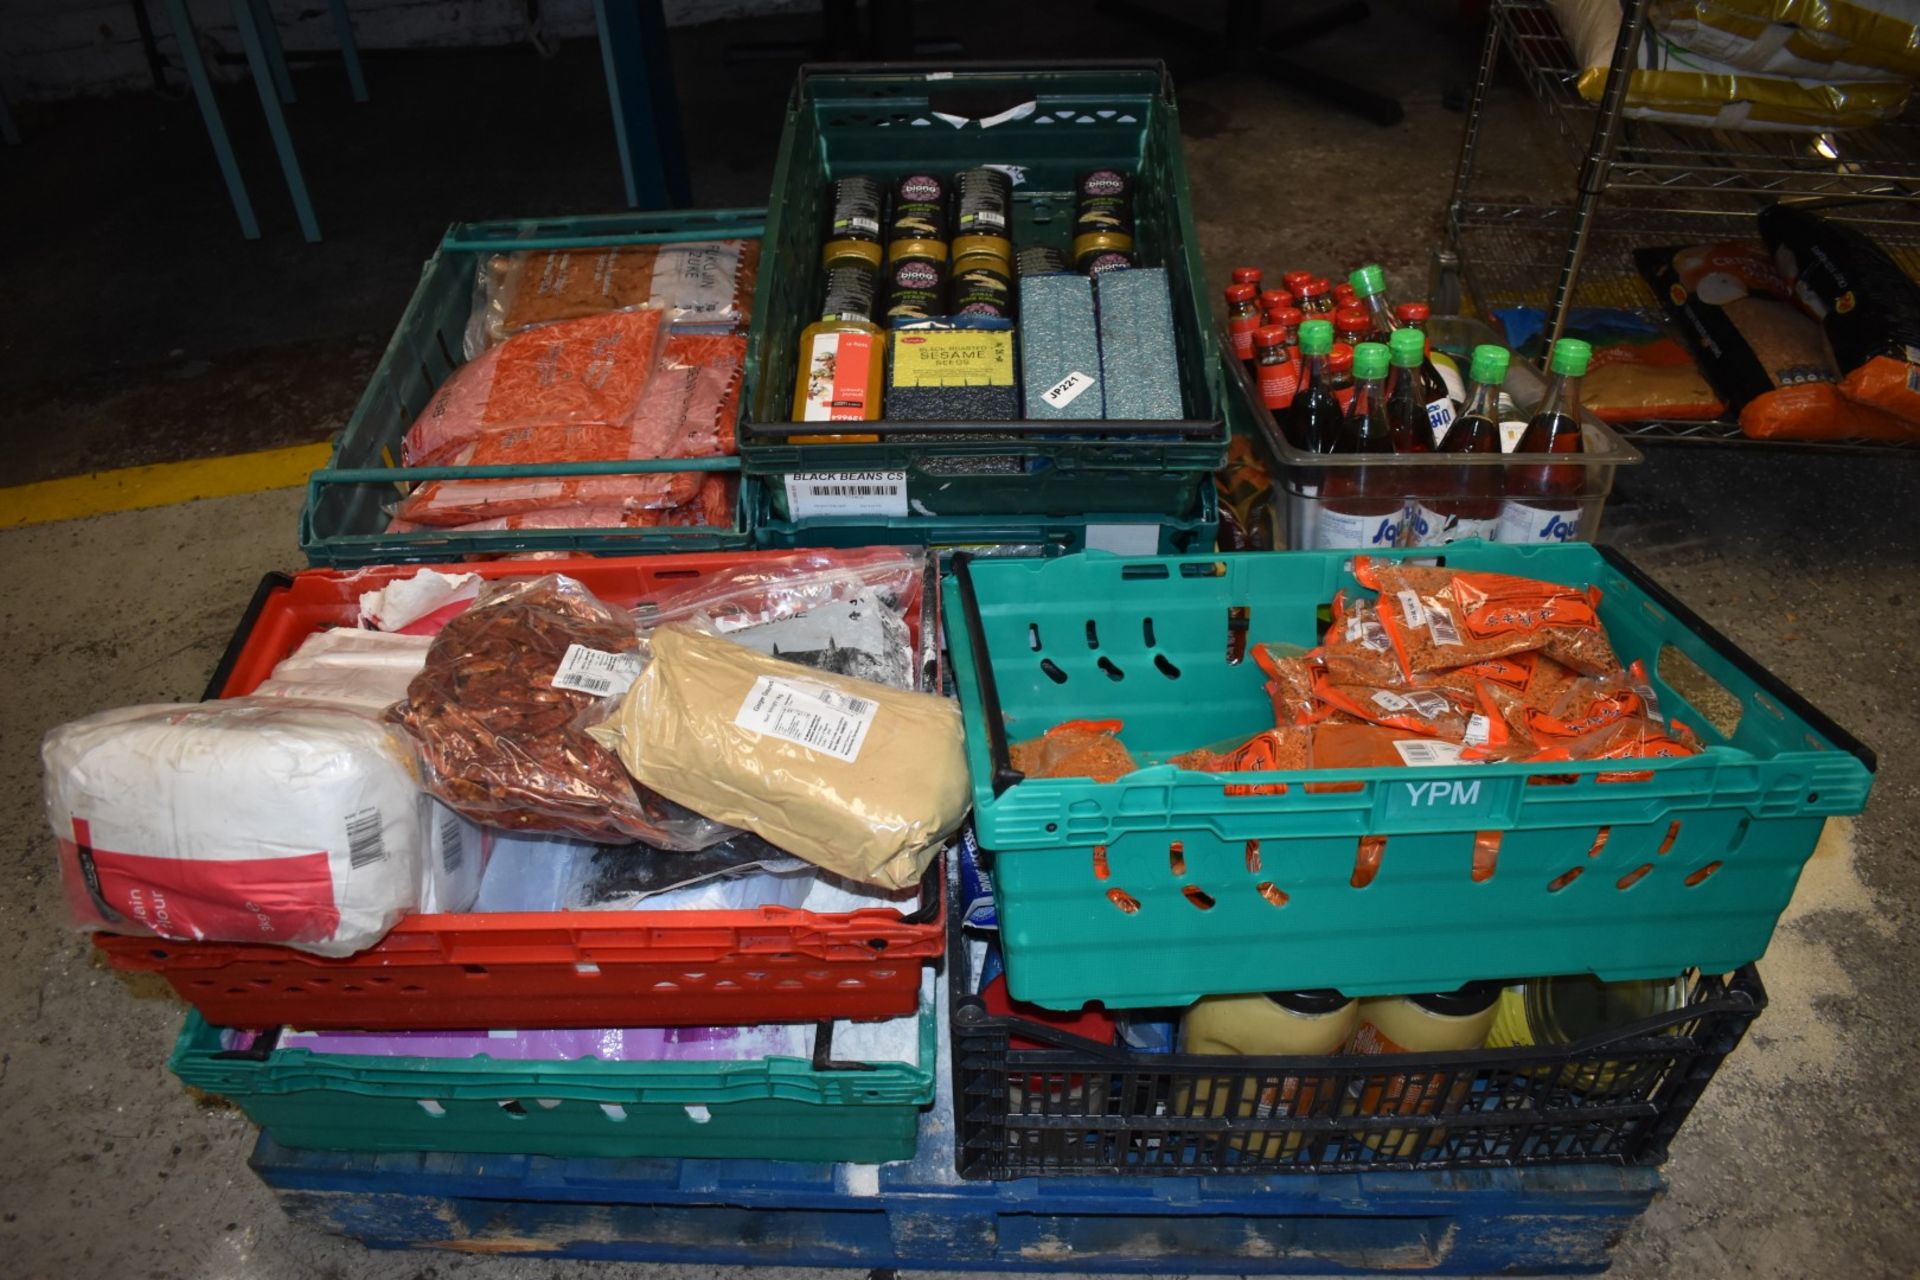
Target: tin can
x=1041, y=260
x=1103, y=204
x=916, y=285
x=980, y=291
x=935, y=249
x=1112, y=261
x=850, y=292
x=842, y=253
x=1087, y=248
x=855, y=205
x=985, y=202
x=919, y=208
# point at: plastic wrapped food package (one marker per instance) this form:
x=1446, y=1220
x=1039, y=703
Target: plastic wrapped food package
x=589, y=372
x=1675, y=86
x=1075, y=749
x=243, y=820
x=1767, y=358
x=1823, y=40
x=772, y=588
x=344, y=666
x=686, y=410
x=1442, y=618
x=1867, y=306
x=500, y=728
x=700, y=283
x=861, y=779
x=1638, y=372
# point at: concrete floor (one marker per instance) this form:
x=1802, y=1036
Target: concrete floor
x=1801, y=1158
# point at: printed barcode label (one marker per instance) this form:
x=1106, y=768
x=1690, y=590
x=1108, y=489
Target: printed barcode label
x=1067, y=390
x=596, y=671
x=1411, y=609
x=812, y=716
x=1389, y=700
x=1356, y=627
x=453, y=842
x=1649, y=700
x=1430, y=705
x=1428, y=751
x=1511, y=430
x=1479, y=728
x=1440, y=623
x=366, y=839
x=846, y=493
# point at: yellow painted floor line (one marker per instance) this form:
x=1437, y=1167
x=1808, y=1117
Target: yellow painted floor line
x=160, y=484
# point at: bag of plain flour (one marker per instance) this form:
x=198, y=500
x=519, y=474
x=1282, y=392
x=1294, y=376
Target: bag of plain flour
x=239, y=821
x=862, y=779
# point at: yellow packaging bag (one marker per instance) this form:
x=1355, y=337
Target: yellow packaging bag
x=864, y=780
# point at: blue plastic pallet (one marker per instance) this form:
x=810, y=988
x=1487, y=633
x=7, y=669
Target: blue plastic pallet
x=920, y=1215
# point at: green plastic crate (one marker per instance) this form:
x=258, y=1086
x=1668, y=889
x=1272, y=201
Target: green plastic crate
x=1197, y=891
x=343, y=524
x=881, y=121
x=1056, y=534
x=767, y=1109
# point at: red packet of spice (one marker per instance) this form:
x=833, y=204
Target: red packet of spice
x=1424, y=711
x=1591, y=703
x=1281, y=748
x=1357, y=648
x=1290, y=680
x=1075, y=749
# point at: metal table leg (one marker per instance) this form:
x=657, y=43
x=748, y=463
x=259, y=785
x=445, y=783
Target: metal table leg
x=244, y=17
x=183, y=36
x=349, y=51
x=639, y=67
x=276, y=56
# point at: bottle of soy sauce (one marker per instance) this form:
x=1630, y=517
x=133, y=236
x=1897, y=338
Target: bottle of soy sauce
x=1313, y=419
x=1471, y=502
x=1543, y=502
x=1361, y=506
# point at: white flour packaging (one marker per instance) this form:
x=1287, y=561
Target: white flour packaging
x=861, y=779
x=239, y=820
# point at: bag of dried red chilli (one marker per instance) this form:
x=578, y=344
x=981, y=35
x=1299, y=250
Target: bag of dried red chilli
x=1075, y=749
x=1373, y=746
x=1631, y=738
x=500, y=712
x=1356, y=648
x=1439, y=618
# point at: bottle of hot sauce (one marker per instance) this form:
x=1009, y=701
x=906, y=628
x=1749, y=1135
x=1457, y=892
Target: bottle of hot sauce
x=1275, y=368
x=1243, y=317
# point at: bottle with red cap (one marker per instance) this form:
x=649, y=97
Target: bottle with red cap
x=1272, y=300
x=1243, y=317
x=1442, y=398
x=1543, y=502
x=1274, y=367
x=1293, y=280
x=1343, y=295
x=1352, y=325
x=1315, y=297
x=1363, y=506
x=1471, y=504
x=1247, y=275
x=1340, y=373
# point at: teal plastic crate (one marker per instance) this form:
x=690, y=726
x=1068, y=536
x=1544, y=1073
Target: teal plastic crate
x=1053, y=123
x=343, y=524
x=1163, y=886
x=1055, y=535
x=766, y=1109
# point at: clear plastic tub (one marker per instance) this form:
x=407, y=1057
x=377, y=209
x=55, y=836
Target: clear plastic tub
x=1301, y=480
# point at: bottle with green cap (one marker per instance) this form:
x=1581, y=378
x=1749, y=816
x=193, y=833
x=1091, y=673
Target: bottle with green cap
x=1466, y=500
x=1369, y=285
x=1407, y=409
x=1544, y=500
x=1313, y=419
x=1361, y=505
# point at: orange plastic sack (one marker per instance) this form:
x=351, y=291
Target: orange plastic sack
x=1439, y=618
x=704, y=283
x=1823, y=411
x=1075, y=749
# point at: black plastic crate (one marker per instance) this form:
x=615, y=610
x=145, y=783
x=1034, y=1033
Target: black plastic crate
x=1078, y=1107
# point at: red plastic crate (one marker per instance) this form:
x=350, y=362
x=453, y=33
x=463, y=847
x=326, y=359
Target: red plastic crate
x=548, y=968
